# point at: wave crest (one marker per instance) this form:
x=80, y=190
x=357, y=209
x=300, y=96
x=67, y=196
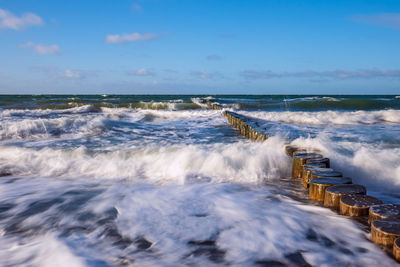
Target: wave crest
x=238, y=162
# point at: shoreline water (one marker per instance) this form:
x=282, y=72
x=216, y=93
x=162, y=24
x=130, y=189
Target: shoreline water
x=143, y=184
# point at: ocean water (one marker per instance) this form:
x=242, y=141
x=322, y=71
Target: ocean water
x=111, y=180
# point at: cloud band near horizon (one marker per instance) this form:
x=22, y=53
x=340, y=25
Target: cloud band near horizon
x=335, y=74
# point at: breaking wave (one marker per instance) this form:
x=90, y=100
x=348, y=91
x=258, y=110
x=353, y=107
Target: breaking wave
x=330, y=117
x=238, y=162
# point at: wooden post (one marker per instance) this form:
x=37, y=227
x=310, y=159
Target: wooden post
x=299, y=160
x=325, y=161
x=385, y=231
x=262, y=137
x=309, y=169
x=319, y=185
x=334, y=193
x=326, y=174
x=248, y=131
x=291, y=149
x=384, y=211
x=396, y=249
x=357, y=205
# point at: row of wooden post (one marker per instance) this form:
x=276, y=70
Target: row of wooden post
x=339, y=193
x=246, y=128
x=330, y=187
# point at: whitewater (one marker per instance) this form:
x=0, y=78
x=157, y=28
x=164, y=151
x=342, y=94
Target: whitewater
x=162, y=181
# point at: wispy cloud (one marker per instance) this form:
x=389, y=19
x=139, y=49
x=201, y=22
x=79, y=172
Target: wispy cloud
x=130, y=37
x=10, y=21
x=43, y=49
x=387, y=20
x=335, y=74
x=142, y=72
x=213, y=57
x=206, y=75
x=71, y=74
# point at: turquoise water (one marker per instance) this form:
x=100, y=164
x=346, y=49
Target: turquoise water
x=108, y=180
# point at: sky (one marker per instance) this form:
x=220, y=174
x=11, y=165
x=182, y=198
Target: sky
x=199, y=47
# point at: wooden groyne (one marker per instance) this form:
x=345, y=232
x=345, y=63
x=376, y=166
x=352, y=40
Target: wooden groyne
x=246, y=127
x=329, y=187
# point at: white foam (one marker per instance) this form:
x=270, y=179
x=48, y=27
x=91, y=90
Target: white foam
x=238, y=162
x=248, y=223
x=168, y=114
x=38, y=128
x=329, y=117
x=373, y=165
x=6, y=113
x=80, y=125
x=173, y=194
x=199, y=101
x=42, y=250
x=245, y=223
x=158, y=105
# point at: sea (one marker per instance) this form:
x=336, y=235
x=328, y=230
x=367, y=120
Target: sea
x=161, y=180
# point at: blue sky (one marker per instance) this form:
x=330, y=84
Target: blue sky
x=200, y=47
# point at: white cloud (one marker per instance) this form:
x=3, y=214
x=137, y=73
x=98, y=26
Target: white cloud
x=73, y=74
x=142, y=72
x=9, y=21
x=43, y=49
x=130, y=37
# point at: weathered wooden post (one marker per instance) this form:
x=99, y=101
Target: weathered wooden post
x=291, y=149
x=299, y=160
x=396, y=249
x=309, y=169
x=385, y=231
x=334, y=193
x=262, y=137
x=325, y=161
x=384, y=211
x=319, y=185
x=357, y=205
x=326, y=174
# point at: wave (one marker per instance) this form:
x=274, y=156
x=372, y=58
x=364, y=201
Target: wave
x=196, y=102
x=238, y=162
x=246, y=225
x=201, y=102
x=4, y=113
x=75, y=104
x=167, y=105
x=329, y=117
x=344, y=104
x=199, y=224
x=170, y=105
x=41, y=124
x=314, y=103
x=76, y=127
x=373, y=165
